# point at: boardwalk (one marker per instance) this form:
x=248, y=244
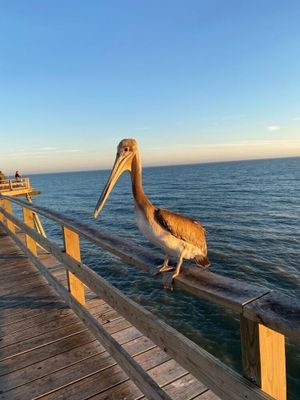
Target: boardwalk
x=47, y=353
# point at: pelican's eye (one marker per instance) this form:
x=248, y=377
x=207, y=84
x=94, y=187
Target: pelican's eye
x=126, y=149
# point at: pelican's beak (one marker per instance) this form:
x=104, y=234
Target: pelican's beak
x=121, y=165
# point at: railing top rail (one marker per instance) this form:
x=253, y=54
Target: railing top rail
x=14, y=182
x=260, y=304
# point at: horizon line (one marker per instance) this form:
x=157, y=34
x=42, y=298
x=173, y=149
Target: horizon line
x=166, y=165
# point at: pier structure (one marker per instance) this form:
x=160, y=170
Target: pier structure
x=67, y=333
x=18, y=187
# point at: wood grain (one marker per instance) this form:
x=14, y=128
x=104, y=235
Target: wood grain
x=29, y=220
x=72, y=246
x=8, y=209
x=263, y=352
x=272, y=359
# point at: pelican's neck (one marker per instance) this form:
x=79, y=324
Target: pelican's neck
x=140, y=198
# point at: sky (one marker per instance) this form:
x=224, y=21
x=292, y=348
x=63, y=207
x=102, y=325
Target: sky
x=192, y=81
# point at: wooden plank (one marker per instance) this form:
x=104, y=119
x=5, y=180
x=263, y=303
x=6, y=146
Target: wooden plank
x=208, y=395
x=183, y=388
x=7, y=319
x=250, y=350
x=41, y=340
x=38, y=330
x=51, y=368
x=8, y=209
x=26, y=299
x=272, y=359
x=29, y=284
x=80, y=365
x=1, y=205
x=72, y=246
x=50, y=320
x=31, y=344
x=109, y=378
x=15, y=274
x=263, y=353
x=224, y=381
x=29, y=220
x=64, y=342
x=21, y=192
x=24, y=281
x=60, y=318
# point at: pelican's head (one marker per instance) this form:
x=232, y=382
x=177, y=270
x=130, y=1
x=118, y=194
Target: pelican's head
x=126, y=151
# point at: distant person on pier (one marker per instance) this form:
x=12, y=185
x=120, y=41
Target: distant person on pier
x=2, y=176
x=18, y=177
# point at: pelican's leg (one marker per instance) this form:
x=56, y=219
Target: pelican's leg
x=168, y=283
x=178, y=266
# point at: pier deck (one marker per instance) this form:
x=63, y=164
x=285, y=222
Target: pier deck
x=47, y=353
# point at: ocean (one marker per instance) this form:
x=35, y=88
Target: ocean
x=251, y=211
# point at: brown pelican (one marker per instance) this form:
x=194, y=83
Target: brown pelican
x=177, y=235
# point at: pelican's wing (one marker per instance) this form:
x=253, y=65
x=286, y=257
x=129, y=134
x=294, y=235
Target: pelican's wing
x=181, y=227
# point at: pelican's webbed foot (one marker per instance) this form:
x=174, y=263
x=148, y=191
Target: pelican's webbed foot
x=164, y=267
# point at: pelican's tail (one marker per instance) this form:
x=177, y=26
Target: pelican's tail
x=202, y=262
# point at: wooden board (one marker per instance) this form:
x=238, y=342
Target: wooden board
x=51, y=371
x=72, y=246
x=29, y=220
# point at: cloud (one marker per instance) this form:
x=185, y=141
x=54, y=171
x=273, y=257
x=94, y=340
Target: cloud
x=40, y=152
x=273, y=128
x=208, y=152
x=48, y=148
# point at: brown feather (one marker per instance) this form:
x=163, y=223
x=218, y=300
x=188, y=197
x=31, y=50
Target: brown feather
x=181, y=227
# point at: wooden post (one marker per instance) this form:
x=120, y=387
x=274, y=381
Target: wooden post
x=72, y=246
x=25, y=182
x=1, y=205
x=37, y=222
x=263, y=352
x=28, y=218
x=8, y=208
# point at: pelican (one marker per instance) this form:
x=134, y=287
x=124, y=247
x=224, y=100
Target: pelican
x=177, y=235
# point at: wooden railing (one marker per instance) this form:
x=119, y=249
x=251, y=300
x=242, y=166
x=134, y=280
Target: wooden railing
x=265, y=315
x=14, y=184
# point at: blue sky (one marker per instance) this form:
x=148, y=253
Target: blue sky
x=192, y=81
